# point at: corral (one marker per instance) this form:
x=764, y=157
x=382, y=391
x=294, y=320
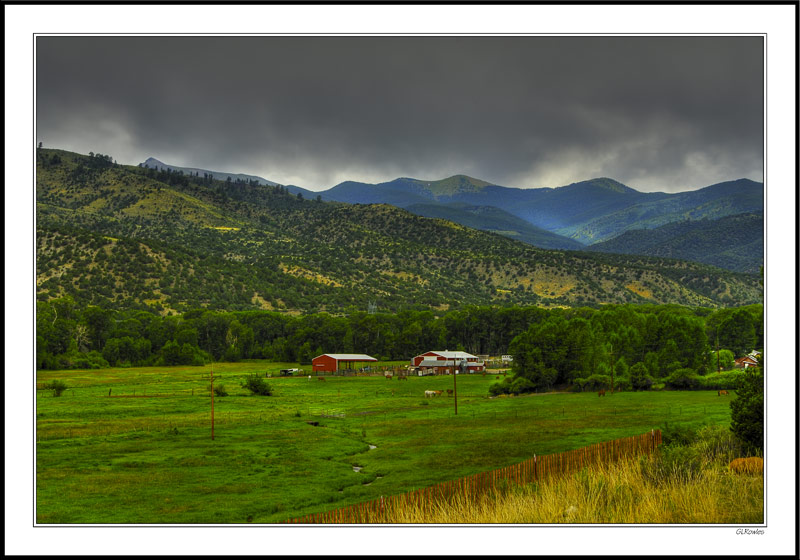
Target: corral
x=144, y=453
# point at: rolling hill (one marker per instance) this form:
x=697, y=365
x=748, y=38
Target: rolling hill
x=133, y=237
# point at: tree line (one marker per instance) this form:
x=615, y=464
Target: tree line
x=550, y=346
x=631, y=347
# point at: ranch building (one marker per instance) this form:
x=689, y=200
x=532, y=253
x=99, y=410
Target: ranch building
x=331, y=363
x=441, y=362
x=745, y=362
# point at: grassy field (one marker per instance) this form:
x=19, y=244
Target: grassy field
x=614, y=493
x=134, y=445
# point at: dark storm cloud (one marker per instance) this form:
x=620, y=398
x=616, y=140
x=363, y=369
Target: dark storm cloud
x=657, y=113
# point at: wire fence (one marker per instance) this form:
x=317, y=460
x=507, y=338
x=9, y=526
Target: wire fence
x=536, y=469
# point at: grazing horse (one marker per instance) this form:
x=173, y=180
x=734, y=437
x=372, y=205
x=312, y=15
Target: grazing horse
x=438, y=393
x=388, y=376
x=749, y=465
x=430, y=394
x=601, y=393
x=449, y=391
x=723, y=392
x=320, y=379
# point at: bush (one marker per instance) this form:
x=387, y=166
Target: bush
x=256, y=385
x=57, y=386
x=501, y=388
x=686, y=452
x=521, y=385
x=683, y=378
x=716, y=381
x=670, y=463
x=718, y=444
x=677, y=434
x=220, y=391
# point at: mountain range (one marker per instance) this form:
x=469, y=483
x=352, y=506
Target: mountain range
x=583, y=215
x=166, y=241
x=587, y=212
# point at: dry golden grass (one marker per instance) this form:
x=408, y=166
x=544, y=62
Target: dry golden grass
x=617, y=494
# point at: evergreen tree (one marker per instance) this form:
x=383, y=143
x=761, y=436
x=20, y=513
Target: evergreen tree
x=747, y=410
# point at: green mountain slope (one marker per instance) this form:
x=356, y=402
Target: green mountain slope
x=491, y=218
x=734, y=242
x=715, y=201
x=130, y=237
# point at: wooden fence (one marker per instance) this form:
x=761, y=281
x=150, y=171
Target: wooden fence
x=536, y=469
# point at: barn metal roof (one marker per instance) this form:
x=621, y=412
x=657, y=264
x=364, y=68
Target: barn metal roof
x=451, y=355
x=350, y=357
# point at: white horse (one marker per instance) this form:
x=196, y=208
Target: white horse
x=430, y=394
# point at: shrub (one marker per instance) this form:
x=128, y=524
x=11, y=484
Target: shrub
x=716, y=381
x=220, y=391
x=499, y=388
x=718, y=444
x=683, y=378
x=256, y=385
x=57, y=386
x=522, y=385
x=672, y=462
x=677, y=434
x=502, y=387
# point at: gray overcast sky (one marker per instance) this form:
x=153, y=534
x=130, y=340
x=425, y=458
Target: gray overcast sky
x=656, y=113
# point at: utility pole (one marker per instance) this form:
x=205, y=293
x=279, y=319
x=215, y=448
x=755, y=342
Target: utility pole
x=455, y=392
x=212, y=401
x=612, y=368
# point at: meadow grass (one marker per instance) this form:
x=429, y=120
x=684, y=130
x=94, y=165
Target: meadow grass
x=149, y=458
x=633, y=491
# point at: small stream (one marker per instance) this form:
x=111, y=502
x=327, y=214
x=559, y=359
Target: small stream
x=371, y=447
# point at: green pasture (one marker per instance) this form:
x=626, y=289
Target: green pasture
x=144, y=454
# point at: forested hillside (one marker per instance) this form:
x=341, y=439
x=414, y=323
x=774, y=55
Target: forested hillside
x=733, y=242
x=134, y=238
x=491, y=218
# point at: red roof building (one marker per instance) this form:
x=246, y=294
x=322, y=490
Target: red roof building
x=745, y=362
x=442, y=361
x=331, y=363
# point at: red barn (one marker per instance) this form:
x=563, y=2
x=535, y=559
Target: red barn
x=440, y=361
x=331, y=363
